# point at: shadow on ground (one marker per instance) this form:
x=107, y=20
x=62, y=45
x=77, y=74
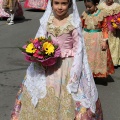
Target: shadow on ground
x=103, y=81
x=17, y=19
x=35, y=10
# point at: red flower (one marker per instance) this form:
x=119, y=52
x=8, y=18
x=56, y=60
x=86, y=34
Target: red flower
x=38, y=55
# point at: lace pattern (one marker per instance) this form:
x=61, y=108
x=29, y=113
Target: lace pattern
x=2, y=12
x=35, y=82
x=110, y=10
x=92, y=20
x=57, y=31
x=53, y=108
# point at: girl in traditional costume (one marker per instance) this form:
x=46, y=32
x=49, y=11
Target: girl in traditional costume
x=66, y=90
x=95, y=32
x=112, y=8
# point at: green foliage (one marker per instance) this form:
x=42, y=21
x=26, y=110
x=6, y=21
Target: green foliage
x=22, y=49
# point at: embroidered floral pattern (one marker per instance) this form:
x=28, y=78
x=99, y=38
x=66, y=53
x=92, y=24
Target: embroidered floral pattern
x=91, y=20
x=38, y=4
x=86, y=114
x=2, y=12
x=58, y=103
x=59, y=30
x=110, y=10
x=114, y=44
x=51, y=106
x=98, y=59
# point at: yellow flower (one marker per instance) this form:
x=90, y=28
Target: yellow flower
x=114, y=25
x=49, y=48
x=42, y=38
x=30, y=48
x=83, y=110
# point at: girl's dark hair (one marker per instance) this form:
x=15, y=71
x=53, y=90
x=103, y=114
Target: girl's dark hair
x=95, y=2
x=70, y=3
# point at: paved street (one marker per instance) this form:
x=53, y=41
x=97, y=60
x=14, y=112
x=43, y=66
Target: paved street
x=13, y=66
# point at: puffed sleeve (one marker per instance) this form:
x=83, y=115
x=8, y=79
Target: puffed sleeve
x=105, y=29
x=75, y=37
x=70, y=48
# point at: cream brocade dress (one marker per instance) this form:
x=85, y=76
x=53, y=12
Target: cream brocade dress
x=58, y=104
x=114, y=39
x=95, y=31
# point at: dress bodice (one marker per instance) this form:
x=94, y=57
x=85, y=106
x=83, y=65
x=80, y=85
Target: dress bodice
x=96, y=21
x=65, y=36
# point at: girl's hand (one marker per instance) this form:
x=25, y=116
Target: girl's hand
x=104, y=45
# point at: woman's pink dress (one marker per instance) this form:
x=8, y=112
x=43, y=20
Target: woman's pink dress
x=2, y=12
x=36, y=4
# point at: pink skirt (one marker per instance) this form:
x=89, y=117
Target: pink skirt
x=36, y=4
x=2, y=12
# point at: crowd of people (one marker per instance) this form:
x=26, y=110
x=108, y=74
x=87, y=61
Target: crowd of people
x=90, y=48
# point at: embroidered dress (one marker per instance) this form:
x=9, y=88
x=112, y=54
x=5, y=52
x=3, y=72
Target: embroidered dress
x=95, y=31
x=2, y=12
x=58, y=104
x=37, y=4
x=114, y=37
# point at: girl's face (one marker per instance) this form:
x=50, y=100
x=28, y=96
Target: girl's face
x=109, y=2
x=91, y=8
x=60, y=7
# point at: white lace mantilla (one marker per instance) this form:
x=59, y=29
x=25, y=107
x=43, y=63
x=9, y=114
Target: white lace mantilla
x=36, y=82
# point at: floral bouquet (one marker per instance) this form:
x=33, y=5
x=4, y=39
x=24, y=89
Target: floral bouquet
x=114, y=22
x=42, y=50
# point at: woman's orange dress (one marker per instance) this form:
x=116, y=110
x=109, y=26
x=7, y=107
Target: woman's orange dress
x=95, y=31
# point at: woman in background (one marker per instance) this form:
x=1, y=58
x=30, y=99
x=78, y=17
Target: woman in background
x=112, y=8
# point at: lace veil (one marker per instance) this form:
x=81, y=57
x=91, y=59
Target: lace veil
x=81, y=84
